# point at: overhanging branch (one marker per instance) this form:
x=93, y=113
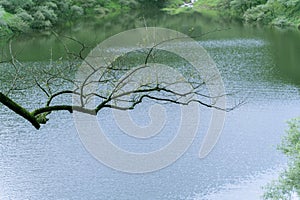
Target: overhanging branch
x=19, y=110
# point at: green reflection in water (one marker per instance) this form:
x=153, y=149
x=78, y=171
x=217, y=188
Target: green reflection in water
x=284, y=45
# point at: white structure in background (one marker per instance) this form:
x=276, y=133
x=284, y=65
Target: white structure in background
x=189, y=5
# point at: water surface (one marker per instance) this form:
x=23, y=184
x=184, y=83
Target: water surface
x=258, y=64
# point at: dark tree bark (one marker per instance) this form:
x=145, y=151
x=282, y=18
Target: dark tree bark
x=12, y=105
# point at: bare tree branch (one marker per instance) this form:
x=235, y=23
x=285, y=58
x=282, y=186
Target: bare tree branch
x=115, y=75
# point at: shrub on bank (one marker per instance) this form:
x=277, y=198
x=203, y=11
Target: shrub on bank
x=288, y=183
x=273, y=12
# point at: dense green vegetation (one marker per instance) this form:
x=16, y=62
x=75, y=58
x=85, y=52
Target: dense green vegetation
x=21, y=15
x=289, y=180
x=268, y=12
x=24, y=15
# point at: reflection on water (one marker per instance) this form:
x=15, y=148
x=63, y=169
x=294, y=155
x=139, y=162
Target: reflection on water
x=248, y=189
x=53, y=164
x=286, y=48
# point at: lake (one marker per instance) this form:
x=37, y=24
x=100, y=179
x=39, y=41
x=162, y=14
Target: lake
x=259, y=64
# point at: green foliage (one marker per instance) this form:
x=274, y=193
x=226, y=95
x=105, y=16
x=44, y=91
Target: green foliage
x=129, y=3
x=101, y=11
x=208, y=3
x=4, y=30
x=24, y=15
x=31, y=13
x=289, y=181
x=152, y=3
x=261, y=13
x=88, y=4
x=241, y=6
x=281, y=21
x=291, y=143
x=48, y=13
x=77, y=10
x=12, y=5
x=40, y=21
x=14, y=23
x=44, y=14
x=2, y=13
x=274, y=12
x=225, y=4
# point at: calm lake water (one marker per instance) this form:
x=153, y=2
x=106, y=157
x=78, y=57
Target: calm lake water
x=259, y=64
